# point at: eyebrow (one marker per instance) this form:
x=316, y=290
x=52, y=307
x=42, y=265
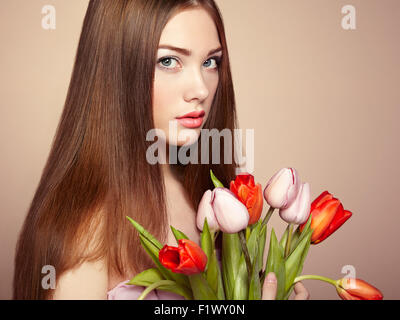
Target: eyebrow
x=186, y=52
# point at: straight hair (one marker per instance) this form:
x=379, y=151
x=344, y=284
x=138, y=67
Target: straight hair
x=96, y=172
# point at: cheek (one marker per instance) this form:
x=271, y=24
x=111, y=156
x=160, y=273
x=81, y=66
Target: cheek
x=164, y=96
x=212, y=85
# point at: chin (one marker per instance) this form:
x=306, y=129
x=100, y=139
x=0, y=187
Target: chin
x=186, y=137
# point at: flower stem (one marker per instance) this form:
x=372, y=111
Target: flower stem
x=289, y=240
x=315, y=277
x=154, y=286
x=268, y=216
x=215, y=235
x=243, y=243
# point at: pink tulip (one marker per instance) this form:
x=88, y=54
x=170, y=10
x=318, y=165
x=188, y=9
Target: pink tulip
x=231, y=214
x=282, y=188
x=205, y=210
x=299, y=210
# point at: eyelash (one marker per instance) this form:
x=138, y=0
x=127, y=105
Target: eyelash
x=216, y=58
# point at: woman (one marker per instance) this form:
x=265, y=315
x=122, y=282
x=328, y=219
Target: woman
x=170, y=55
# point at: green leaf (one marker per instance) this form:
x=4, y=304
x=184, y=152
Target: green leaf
x=296, y=237
x=207, y=245
x=301, y=263
x=295, y=240
x=284, y=238
x=147, y=277
x=200, y=287
x=276, y=264
x=150, y=276
x=181, y=290
x=231, y=252
x=220, y=291
x=213, y=272
x=294, y=262
x=206, y=240
x=241, y=284
x=216, y=182
x=261, y=248
x=252, y=246
x=142, y=231
x=248, y=231
x=299, y=236
x=178, y=234
x=255, y=287
x=153, y=251
x=304, y=255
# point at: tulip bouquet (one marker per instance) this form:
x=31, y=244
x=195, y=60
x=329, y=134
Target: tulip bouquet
x=238, y=271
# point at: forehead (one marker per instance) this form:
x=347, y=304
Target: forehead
x=193, y=29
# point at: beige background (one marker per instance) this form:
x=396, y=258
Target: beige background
x=321, y=99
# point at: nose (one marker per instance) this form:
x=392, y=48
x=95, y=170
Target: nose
x=196, y=88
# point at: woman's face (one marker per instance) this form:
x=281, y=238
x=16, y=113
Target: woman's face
x=186, y=75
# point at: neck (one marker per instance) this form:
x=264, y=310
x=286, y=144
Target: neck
x=169, y=174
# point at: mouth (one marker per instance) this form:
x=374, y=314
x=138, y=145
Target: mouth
x=192, y=119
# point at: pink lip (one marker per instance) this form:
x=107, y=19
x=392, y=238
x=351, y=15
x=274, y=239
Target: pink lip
x=191, y=122
x=194, y=114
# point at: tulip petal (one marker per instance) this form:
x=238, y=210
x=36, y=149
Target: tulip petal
x=243, y=193
x=255, y=204
x=344, y=295
x=205, y=210
x=249, y=194
x=245, y=178
x=230, y=213
x=340, y=217
x=194, y=253
x=187, y=258
x=187, y=265
x=322, y=216
x=299, y=210
x=169, y=257
x=233, y=187
x=276, y=189
x=322, y=198
x=282, y=188
x=361, y=290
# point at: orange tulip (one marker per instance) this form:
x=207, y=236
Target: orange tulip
x=327, y=216
x=357, y=289
x=249, y=194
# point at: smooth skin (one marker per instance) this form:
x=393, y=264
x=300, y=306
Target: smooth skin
x=186, y=73
x=185, y=81
x=270, y=287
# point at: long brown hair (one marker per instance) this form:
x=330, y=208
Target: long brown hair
x=97, y=172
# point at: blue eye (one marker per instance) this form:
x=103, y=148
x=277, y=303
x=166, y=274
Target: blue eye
x=168, y=62
x=171, y=63
x=213, y=62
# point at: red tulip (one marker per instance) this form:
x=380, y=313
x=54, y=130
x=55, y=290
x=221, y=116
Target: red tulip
x=249, y=194
x=357, y=289
x=188, y=258
x=327, y=216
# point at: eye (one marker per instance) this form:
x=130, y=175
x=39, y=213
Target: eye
x=168, y=62
x=212, y=63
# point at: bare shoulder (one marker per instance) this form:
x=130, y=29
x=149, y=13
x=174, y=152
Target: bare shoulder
x=89, y=279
